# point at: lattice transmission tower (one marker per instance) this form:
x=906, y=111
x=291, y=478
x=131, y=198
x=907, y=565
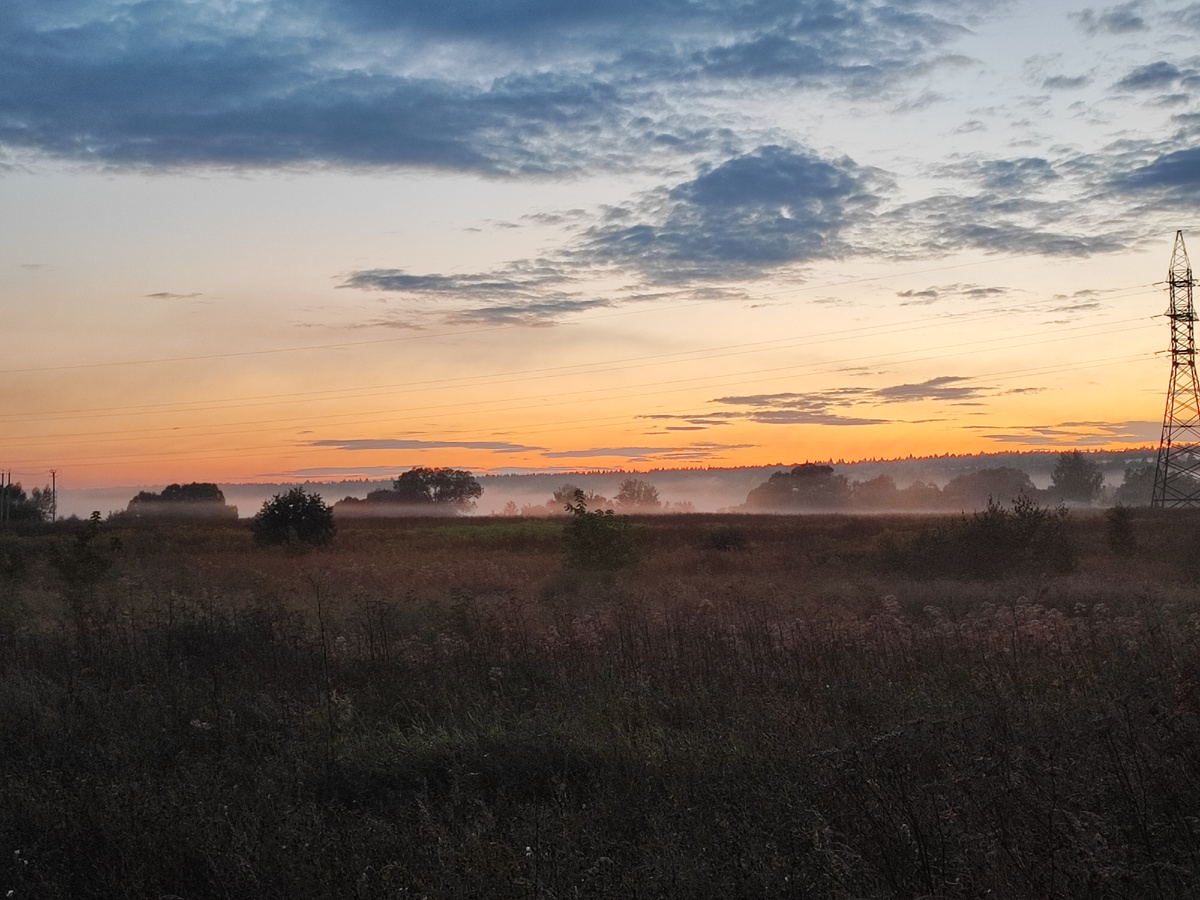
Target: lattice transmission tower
x=1177, y=475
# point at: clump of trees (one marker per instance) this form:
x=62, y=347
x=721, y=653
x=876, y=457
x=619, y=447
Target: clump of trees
x=17, y=508
x=813, y=487
x=198, y=500
x=975, y=490
x=296, y=517
x=809, y=486
x=419, y=491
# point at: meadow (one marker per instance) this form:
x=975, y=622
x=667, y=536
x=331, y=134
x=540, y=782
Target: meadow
x=757, y=707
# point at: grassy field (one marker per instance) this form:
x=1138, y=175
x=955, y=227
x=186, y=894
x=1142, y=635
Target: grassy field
x=761, y=707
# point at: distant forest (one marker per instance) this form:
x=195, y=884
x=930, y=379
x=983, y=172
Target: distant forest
x=913, y=483
x=920, y=483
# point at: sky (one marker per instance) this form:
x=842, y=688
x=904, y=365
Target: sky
x=269, y=240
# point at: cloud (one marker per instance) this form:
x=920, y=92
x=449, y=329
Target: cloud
x=933, y=294
x=1122, y=19
x=167, y=295
x=772, y=207
x=836, y=406
x=997, y=222
x=742, y=218
x=1149, y=77
x=651, y=454
x=1180, y=169
x=345, y=472
x=505, y=87
x=521, y=293
x=1014, y=175
x=533, y=313
x=1189, y=16
x=1066, y=83
x=412, y=444
x=1077, y=434
x=942, y=388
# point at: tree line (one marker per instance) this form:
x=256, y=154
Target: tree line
x=1074, y=480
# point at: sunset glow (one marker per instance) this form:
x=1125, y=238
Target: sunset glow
x=265, y=241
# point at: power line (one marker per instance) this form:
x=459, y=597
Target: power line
x=512, y=377
x=339, y=345
x=469, y=407
x=276, y=452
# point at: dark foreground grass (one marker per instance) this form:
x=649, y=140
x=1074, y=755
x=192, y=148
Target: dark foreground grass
x=433, y=709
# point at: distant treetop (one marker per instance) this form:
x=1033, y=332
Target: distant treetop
x=427, y=491
x=195, y=500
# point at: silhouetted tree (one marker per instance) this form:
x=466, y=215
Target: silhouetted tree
x=421, y=486
x=809, y=486
x=877, y=493
x=19, y=508
x=564, y=497
x=296, y=516
x=1075, y=477
x=637, y=495
x=920, y=495
x=195, y=500
x=1137, y=488
x=975, y=489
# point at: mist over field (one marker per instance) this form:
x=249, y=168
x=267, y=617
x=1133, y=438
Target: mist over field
x=708, y=490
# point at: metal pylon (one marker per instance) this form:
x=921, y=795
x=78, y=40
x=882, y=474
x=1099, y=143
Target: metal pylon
x=1177, y=475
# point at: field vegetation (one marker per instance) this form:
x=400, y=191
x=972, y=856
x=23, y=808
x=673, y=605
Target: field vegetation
x=1004, y=705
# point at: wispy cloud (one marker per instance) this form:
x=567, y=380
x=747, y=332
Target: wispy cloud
x=695, y=451
x=1079, y=434
x=415, y=444
x=1122, y=19
x=845, y=406
x=934, y=293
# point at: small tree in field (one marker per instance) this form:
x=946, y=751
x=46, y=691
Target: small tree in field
x=597, y=539
x=638, y=495
x=293, y=517
x=1076, y=477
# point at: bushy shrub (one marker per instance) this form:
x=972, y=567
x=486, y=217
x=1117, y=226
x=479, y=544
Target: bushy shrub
x=1028, y=539
x=597, y=539
x=294, y=517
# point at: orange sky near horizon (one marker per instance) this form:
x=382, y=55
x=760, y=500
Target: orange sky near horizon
x=598, y=236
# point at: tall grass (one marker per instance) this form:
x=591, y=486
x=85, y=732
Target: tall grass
x=441, y=710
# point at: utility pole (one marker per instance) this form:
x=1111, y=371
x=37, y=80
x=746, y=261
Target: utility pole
x=54, y=495
x=1177, y=475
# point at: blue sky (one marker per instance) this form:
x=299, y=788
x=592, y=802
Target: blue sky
x=241, y=239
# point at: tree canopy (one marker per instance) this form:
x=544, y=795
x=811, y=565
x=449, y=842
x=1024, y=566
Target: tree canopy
x=454, y=488
x=637, y=495
x=293, y=517
x=198, y=499
x=809, y=486
x=15, y=506
x=1002, y=484
x=1075, y=477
